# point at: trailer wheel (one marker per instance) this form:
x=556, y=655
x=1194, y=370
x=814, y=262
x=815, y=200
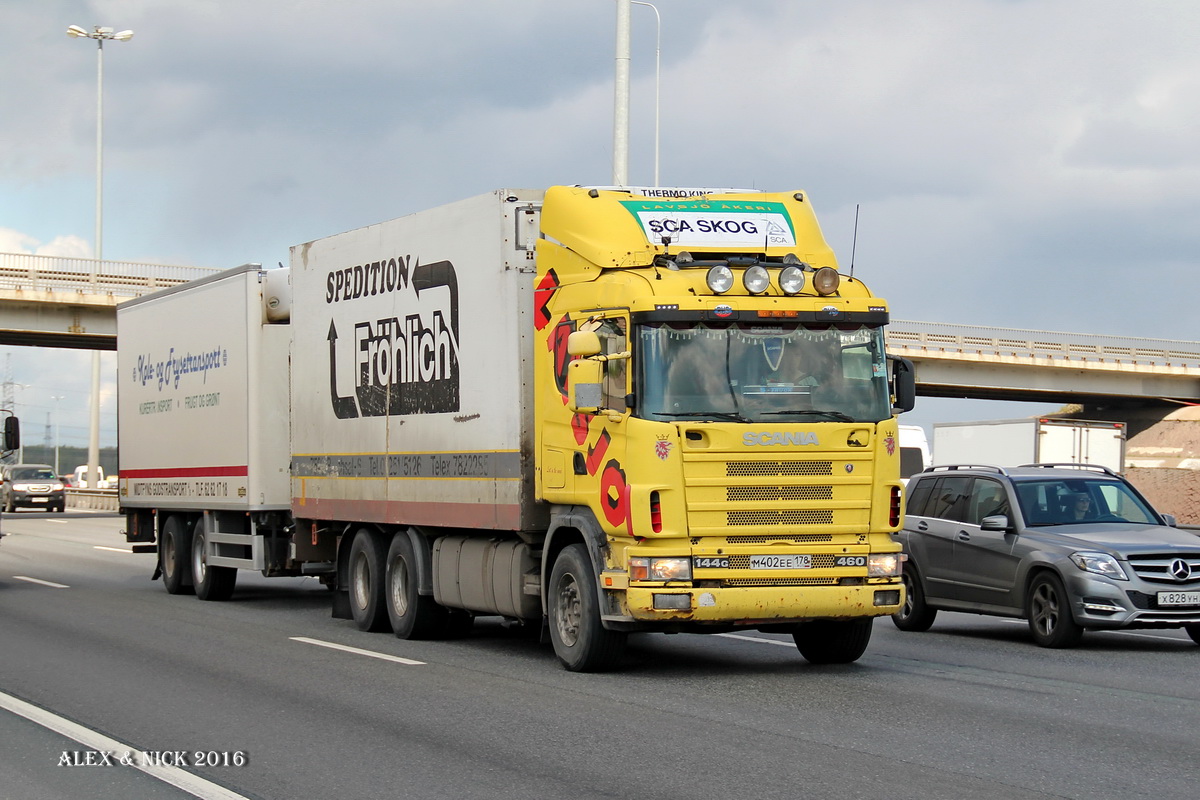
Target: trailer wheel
x=212, y=583
x=580, y=641
x=174, y=555
x=365, y=572
x=833, y=641
x=412, y=615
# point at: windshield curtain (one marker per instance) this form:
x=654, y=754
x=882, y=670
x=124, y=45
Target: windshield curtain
x=762, y=373
x=1081, y=500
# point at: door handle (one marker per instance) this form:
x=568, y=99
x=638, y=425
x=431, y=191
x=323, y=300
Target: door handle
x=963, y=536
x=922, y=525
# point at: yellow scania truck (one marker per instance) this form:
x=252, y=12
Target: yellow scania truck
x=594, y=411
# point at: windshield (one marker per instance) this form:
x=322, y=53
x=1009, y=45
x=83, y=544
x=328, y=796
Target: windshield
x=762, y=373
x=1081, y=500
x=32, y=474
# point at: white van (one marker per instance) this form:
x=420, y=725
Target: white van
x=914, y=451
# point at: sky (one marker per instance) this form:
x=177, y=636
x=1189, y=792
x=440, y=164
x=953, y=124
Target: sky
x=1016, y=163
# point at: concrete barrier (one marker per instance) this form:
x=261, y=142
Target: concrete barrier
x=97, y=499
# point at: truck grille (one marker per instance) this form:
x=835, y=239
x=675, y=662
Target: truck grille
x=773, y=499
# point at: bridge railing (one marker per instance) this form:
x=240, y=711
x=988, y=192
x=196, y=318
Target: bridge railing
x=90, y=275
x=1022, y=343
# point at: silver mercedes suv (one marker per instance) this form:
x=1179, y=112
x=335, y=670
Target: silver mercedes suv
x=1069, y=547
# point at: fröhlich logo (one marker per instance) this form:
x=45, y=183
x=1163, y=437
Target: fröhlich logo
x=405, y=363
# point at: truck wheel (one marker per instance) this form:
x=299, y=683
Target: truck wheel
x=833, y=641
x=174, y=555
x=914, y=615
x=412, y=615
x=365, y=573
x=212, y=583
x=581, y=643
x=1049, y=610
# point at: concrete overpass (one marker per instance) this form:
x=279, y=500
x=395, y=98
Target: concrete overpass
x=47, y=301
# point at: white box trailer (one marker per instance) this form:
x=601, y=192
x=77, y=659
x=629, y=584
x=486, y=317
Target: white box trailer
x=417, y=350
x=1011, y=442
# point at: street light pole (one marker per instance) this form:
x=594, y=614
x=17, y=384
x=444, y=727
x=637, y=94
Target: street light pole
x=100, y=35
x=657, y=76
x=56, y=398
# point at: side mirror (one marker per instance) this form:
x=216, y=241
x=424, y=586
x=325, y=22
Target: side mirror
x=1170, y=520
x=12, y=433
x=584, y=390
x=904, y=384
x=999, y=522
x=583, y=343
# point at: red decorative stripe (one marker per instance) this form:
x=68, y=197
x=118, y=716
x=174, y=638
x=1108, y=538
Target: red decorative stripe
x=187, y=472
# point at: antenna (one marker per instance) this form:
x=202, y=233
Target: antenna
x=854, y=241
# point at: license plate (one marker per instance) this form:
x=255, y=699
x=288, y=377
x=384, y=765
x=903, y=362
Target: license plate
x=39, y=499
x=1179, y=598
x=795, y=561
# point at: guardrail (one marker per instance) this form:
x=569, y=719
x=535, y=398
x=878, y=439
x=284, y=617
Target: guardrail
x=97, y=499
x=90, y=275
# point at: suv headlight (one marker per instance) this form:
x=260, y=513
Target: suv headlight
x=643, y=568
x=1100, y=564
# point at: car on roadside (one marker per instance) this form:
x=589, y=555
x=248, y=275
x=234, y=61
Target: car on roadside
x=1068, y=547
x=31, y=486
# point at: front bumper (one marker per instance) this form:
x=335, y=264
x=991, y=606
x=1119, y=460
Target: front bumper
x=751, y=606
x=1105, y=604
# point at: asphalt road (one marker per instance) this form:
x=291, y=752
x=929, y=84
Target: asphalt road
x=251, y=698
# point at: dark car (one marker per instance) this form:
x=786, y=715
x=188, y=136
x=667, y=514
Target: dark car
x=31, y=486
x=1068, y=547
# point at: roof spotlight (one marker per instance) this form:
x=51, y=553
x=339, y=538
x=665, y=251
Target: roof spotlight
x=791, y=280
x=826, y=280
x=719, y=279
x=756, y=279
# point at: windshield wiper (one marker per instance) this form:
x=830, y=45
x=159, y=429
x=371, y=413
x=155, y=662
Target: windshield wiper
x=730, y=415
x=831, y=414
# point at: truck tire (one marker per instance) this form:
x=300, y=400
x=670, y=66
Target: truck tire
x=412, y=615
x=833, y=641
x=365, y=578
x=580, y=641
x=212, y=583
x=174, y=555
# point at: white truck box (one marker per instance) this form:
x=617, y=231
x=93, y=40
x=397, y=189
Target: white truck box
x=202, y=396
x=1011, y=442
x=430, y=315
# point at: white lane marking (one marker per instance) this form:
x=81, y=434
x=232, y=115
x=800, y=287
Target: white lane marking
x=371, y=653
x=1108, y=630
x=192, y=784
x=111, y=549
x=756, y=639
x=39, y=581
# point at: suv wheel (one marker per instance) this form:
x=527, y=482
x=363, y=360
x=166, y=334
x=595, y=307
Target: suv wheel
x=914, y=615
x=1049, y=611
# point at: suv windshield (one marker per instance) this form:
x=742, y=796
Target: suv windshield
x=32, y=474
x=756, y=372
x=1081, y=500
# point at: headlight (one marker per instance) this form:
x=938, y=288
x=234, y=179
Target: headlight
x=719, y=279
x=756, y=279
x=1099, y=564
x=884, y=565
x=642, y=568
